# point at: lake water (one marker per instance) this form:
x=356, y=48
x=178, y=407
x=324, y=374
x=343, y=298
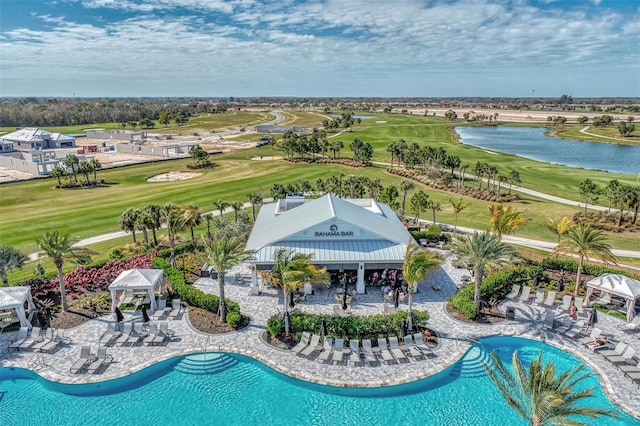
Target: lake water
x=530, y=142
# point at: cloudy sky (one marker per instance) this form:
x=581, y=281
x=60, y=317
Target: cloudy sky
x=420, y=48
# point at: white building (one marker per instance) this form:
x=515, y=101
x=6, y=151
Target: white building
x=33, y=138
x=351, y=235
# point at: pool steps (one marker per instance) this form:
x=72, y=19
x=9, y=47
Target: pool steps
x=206, y=363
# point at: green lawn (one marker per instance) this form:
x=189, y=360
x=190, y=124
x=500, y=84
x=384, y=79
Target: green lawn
x=573, y=132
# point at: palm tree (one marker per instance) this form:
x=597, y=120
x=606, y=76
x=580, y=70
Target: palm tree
x=154, y=214
x=95, y=166
x=236, y=206
x=483, y=251
x=191, y=217
x=220, y=205
x=458, y=206
x=59, y=246
x=505, y=220
x=10, y=260
x=223, y=254
x=141, y=225
x=418, y=203
x=417, y=264
x=290, y=271
x=255, y=198
x=540, y=396
x=561, y=227
x=128, y=221
x=405, y=186
x=172, y=216
x=435, y=207
x=208, y=218
x=585, y=242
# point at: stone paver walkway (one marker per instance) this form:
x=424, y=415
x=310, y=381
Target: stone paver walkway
x=455, y=338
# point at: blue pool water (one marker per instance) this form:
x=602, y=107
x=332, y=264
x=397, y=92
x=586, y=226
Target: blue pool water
x=249, y=393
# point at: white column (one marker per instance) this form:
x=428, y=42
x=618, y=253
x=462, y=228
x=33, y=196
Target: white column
x=255, y=289
x=360, y=283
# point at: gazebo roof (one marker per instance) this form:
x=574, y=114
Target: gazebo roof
x=11, y=297
x=617, y=284
x=136, y=279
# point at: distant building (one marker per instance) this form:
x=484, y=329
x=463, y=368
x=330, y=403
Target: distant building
x=34, y=138
x=119, y=135
x=300, y=130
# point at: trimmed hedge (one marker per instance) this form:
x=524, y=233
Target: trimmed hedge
x=179, y=249
x=570, y=265
x=356, y=327
x=494, y=287
x=430, y=236
x=196, y=297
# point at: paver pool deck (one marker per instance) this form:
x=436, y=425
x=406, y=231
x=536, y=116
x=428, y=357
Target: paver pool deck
x=455, y=338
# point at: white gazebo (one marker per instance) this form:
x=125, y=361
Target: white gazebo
x=617, y=285
x=137, y=285
x=14, y=298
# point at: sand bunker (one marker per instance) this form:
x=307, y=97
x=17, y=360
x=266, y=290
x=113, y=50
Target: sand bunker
x=173, y=176
x=266, y=157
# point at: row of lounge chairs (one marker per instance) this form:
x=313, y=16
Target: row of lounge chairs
x=170, y=312
x=542, y=298
x=90, y=363
x=35, y=341
x=335, y=351
x=132, y=334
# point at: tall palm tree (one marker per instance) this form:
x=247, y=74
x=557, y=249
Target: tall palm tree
x=59, y=246
x=172, y=217
x=10, y=260
x=483, y=250
x=540, y=396
x=191, y=217
x=290, y=271
x=236, y=206
x=434, y=206
x=458, y=206
x=142, y=220
x=585, y=242
x=154, y=215
x=505, y=220
x=405, y=186
x=208, y=217
x=255, y=198
x=128, y=220
x=223, y=254
x=220, y=205
x=561, y=227
x=417, y=264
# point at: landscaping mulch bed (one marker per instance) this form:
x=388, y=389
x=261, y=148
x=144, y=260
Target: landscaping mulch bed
x=487, y=316
x=207, y=322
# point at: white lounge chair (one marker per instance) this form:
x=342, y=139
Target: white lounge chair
x=618, y=350
x=579, y=305
x=31, y=340
x=630, y=368
x=515, y=290
x=595, y=333
x=126, y=331
x=338, y=351
x=367, y=350
x=411, y=349
x=604, y=300
x=176, y=307
x=622, y=359
x=539, y=299
x=85, y=358
x=303, y=343
x=23, y=332
x=101, y=359
x=526, y=294
x=385, y=353
x=395, y=349
x=565, y=326
x=419, y=343
x=311, y=347
x=50, y=341
x=632, y=326
x=356, y=355
x=136, y=334
x=327, y=348
x=575, y=331
x=566, y=302
x=110, y=335
x=549, y=319
x=551, y=299
x=153, y=331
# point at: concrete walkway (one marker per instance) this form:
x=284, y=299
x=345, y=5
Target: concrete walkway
x=455, y=338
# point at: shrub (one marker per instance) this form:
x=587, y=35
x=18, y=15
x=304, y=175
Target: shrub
x=234, y=318
x=570, y=265
x=275, y=325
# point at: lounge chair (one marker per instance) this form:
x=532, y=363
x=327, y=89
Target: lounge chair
x=622, y=359
x=526, y=294
x=515, y=290
x=385, y=353
x=576, y=330
x=31, y=340
x=551, y=299
x=565, y=326
x=311, y=347
x=109, y=336
x=595, y=333
x=176, y=307
x=579, y=305
x=419, y=343
x=630, y=368
x=23, y=332
x=85, y=358
x=355, y=356
x=303, y=343
x=395, y=349
x=549, y=320
x=604, y=300
x=327, y=348
x=411, y=349
x=153, y=331
x=566, y=302
x=338, y=351
x=126, y=331
x=136, y=334
x=164, y=327
x=102, y=359
x=367, y=350
x=50, y=341
x=618, y=350
x=630, y=327
x=539, y=300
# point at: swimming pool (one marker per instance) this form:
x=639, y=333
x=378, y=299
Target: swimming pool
x=243, y=391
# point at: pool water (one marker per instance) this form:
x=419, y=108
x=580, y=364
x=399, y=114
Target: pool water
x=246, y=392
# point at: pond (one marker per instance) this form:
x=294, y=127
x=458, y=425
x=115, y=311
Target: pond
x=530, y=142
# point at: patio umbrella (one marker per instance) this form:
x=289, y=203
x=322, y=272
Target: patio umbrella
x=403, y=328
x=396, y=296
x=119, y=316
x=145, y=316
x=323, y=328
x=593, y=318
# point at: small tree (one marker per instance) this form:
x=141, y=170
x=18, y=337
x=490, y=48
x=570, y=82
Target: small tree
x=417, y=264
x=10, y=260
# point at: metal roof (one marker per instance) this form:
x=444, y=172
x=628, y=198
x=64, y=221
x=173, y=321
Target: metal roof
x=376, y=251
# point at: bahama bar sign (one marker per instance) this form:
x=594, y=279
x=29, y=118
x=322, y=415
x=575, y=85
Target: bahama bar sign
x=334, y=232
